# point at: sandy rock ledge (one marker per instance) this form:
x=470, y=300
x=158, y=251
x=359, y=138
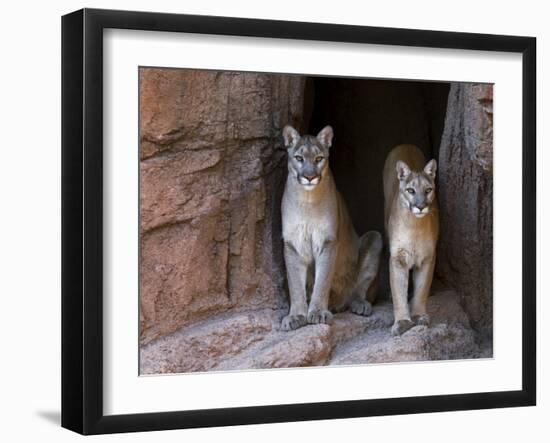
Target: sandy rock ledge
x=253, y=340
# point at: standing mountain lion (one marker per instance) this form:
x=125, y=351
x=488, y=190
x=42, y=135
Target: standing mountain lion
x=323, y=255
x=412, y=226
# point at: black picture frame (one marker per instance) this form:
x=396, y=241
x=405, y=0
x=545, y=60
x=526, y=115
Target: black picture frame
x=82, y=218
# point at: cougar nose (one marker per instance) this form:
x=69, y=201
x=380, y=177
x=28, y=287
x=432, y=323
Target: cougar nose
x=421, y=206
x=309, y=177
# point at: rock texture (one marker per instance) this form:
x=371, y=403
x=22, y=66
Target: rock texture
x=245, y=340
x=465, y=187
x=211, y=171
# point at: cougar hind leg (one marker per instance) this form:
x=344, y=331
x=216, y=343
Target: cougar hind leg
x=365, y=288
x=372, y=291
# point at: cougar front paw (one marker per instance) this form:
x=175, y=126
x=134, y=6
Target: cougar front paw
x=319, y=316
x=361, y=307
x=423, y=319
x=401, y=326
x=291, y=322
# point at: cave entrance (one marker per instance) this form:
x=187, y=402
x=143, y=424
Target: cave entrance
x=369, y=118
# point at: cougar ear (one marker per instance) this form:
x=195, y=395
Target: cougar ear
x=290, y=136
x=431, y=168
x=403, y=171
x=325, y=136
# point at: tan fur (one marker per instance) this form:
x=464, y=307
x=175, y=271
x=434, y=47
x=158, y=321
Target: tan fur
x=412, y=240
x=322, y=250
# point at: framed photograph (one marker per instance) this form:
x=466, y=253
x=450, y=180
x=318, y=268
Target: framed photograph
x=267, y=221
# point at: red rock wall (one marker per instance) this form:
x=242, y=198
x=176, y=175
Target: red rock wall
x=465, y=190
x=210, y=162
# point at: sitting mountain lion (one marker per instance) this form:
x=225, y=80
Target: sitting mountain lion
x=412, y=226
x=323, y=254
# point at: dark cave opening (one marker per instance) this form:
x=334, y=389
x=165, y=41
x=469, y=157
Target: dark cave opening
x=369, y=118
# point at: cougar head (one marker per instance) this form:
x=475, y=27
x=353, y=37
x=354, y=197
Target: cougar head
x=307, y=155
x=417, y=189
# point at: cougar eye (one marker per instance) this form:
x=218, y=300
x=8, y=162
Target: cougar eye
x=299, y=158
x=319, y=159
x=410, y=190
x=428, y=190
